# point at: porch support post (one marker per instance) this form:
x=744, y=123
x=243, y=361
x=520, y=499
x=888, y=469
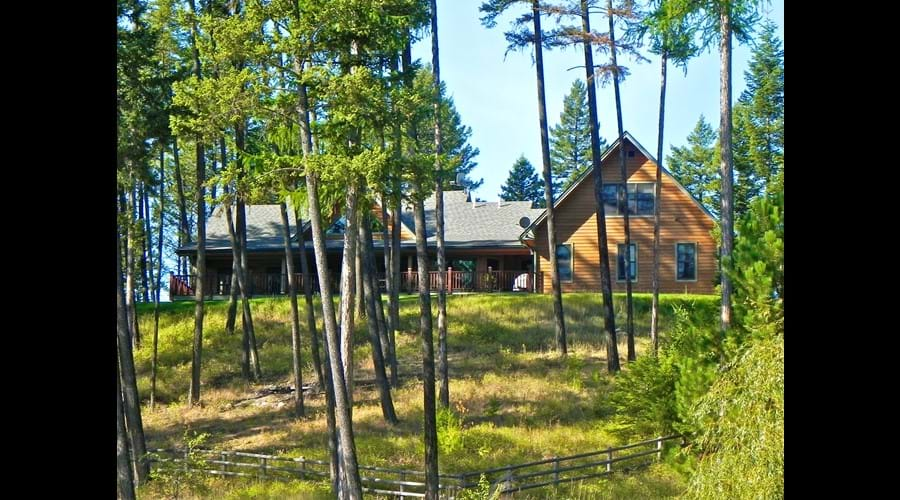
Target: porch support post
x=283, y=275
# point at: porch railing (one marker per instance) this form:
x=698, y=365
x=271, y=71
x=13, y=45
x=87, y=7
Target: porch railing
x=216, y=284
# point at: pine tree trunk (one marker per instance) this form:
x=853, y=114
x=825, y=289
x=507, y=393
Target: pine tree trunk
x=144, y=218
x=609, y=316
x=443, y=367
x=325, y=372
x=346, y=445
x=623, y=197
x=236, y=270
x=124, y=482
x=370, y=290
x=425, y=326
x=231, y=315
x=132, y=406
x=184, y=233
x=307, y=294
x=390, y=284
x=197, y=355
x=159, y=269
x=654, y=306
x=130, y=292
x=295, y=312
x=425, y=319
x=348, y=279
x=358, y=304
x=241, y=227
x=726, y=163
x=558, y=315
x=395, y=269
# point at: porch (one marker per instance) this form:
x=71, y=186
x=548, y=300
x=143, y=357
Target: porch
x=218, y=285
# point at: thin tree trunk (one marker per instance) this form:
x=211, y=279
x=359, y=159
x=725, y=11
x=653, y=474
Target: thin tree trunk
x=629, y=318
x=197, y=354
x=609, y=316
x=130, y=292
x=144, y=217
x=425, y=326
x=558, y=315
x=443, y=367
x=295, y=312
x=346, y=444
x=307, y=293
x=184, y=233
x=236, y=270
x=390, y=284
x=358, y=304
x=348, y=270
x=395, y=266
x=654, y=306
x=159, y=269
x=327, y=372
x=241, y=227
x=231, y=316
x=726, y=163
x=124, y=481
x=132, y=407
x=370, y=290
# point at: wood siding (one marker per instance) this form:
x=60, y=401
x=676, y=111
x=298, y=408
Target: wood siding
x=681, y=219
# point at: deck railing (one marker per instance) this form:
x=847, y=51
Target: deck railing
x=268, y=284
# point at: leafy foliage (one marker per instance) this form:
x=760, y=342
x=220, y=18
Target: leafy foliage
x=178, y=477
x=450, y=431
x=742, y=435
x=644, y=398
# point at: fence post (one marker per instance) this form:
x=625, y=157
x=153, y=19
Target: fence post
x=302, y=468
x=262, y=468
x=609, y=460
x=224, y=463
x=186, y=458
x=402, y=478
x=555, y=471
x=659, y=448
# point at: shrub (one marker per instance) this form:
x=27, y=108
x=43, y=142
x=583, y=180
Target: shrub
x=644, y=399
x=742, y=432
x=450, y=431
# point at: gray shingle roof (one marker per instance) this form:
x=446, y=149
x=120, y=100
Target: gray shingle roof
x=467, y=225
x=263, y=229
x=478, y=224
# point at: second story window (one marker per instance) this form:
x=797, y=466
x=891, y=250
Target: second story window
x=641, y=198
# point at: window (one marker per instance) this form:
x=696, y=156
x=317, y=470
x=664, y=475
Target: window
x=641, y=196
x=564, y=261
x=686, y=261
x=620, y=263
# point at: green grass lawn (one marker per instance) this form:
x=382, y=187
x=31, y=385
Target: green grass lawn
x=517, y=399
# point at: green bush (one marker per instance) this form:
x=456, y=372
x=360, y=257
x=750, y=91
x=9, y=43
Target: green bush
x=742, y=431
x=450, y=431
x=644, y=399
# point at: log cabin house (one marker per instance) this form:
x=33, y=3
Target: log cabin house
x=487, y=249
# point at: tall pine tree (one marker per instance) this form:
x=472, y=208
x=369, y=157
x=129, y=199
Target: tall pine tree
x=696, y=167
x=570, y=139
x=523, y=184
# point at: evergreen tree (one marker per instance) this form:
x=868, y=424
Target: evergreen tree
x=695, y=165
x=763, y=124
x=570, y=139
x=460, y=155
x=523, y=184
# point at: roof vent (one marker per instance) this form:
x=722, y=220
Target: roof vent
x=524, y=222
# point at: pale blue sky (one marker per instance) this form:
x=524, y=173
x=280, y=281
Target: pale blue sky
x=498, y=98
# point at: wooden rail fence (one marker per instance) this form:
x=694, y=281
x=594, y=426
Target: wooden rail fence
x=402, y=483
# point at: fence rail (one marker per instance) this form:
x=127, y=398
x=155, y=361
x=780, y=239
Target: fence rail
x=405, y=483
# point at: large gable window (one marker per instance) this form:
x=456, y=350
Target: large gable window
x=620, y=263
x=686, y=262
x=641, y=198
x=564, y=261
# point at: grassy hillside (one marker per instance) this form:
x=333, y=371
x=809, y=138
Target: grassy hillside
x=517, y=400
